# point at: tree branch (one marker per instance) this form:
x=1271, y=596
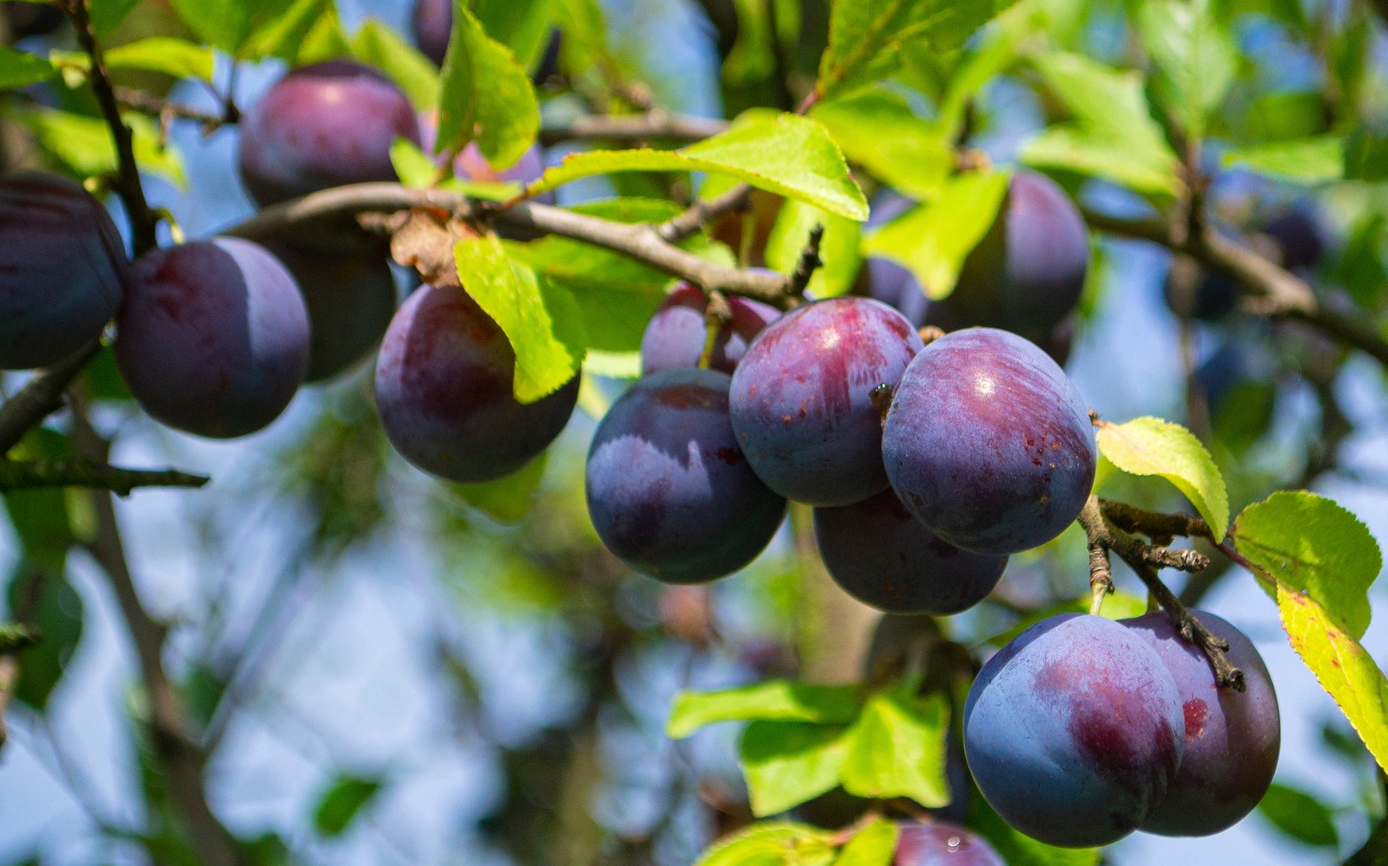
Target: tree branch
x=1273, y=290
x=40, y=397
x=32, y=474
x=634, y=127
x=640, y=241
x=175, y=745
x=704, y=211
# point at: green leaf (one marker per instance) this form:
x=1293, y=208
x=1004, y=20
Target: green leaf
x=84, y=143
x=342, y=802
x=897, y=749
x=878, y=130
x=484, y=95
x=506, y=500
x=866, y=36
x=1151, y=446
x=541, y=321
x=326, y=40
x=108, y=14
x=381, y=47
x=1300, y=816
x=283, y=34
x=222, y=23
x=412, y=165
x=176, y=57
x=20, y=68
x=1344, y=668
x=1366, y=155
x=1307, y=160
x=1195, y=57
x=838, y=249
x=40, y=589
x=873, y=845
x=933, y=240
x=774, y=700
x=772, y=843
x=1111, y=118
x=1018, y=849
x=521, y=27
x=1311, y=544
x=788, y=155
x=787, y=763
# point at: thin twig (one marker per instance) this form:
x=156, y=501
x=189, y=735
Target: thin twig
x=653, y=124
x=702, y=212
x=33, y=474
x=40, y=397
x=809, y=262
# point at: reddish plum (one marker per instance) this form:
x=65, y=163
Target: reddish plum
x=940, y=843
x=676, y=334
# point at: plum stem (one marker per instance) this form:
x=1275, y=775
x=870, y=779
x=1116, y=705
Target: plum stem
x=1100, y=577
x=1144, y=559
x=716, y=315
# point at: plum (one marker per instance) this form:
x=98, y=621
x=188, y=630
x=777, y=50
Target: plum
x=63, y=269
x=940, y=843
x=323, y=125
x=433, y=25
x=350, y=296
x=1298, y=238
x=28, y=19
x=886, y=280
x=1232, y=738
x=1027, y=273
x=803, y=398
x=883, y=556
x=676, y=334
x=1074, y=731
x=987, y=442
x=444, y=391
x=668, y=489
x=213, y=337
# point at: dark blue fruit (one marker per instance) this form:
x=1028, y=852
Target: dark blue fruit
x=444, y=389
x=886, y=558
x=988, y=444
x=1027, y=273
x=676, y=334
x=888, y=281
x=213, y=337
x=62, y=269
x=803, y=402
x=433, y=25
x=1232, y=738
x=1298, y=237
x=669, y=491
x=1074, y=731
x=324, y=125
x=940, y=843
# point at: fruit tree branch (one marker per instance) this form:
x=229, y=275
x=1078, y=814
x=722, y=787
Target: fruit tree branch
x=704, y=211
x=41, y=396
x=1138, y=556
x=175, y=746
x=640, y=241
x=1274, y=290
x=634, y=127
x=32, y=474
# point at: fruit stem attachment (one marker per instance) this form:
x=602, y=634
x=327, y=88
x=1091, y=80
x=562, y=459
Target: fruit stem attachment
x=1100, y=577
x=1143, y=560
x=717, y=314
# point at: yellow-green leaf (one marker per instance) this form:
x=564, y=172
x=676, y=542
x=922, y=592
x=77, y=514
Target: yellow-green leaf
x=772, y=843
x=896, y=748
x=871, y=846
x=788, y=155
x=171, y=56
x=788, y=763
x=782, y=700
x=1342, y=666
x=541, y=321
x=377, y=45
x=484, y=95
x=1309, y=543
x=1151, y=446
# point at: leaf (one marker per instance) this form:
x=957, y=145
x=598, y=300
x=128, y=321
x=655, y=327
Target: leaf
x=1307, y=160
x=774, y=700
x=84, y=144
x=865, y=36
x=522, y=27
x=108, y=14
x=788, y=763
x=1151, y=446
x=541, y=321
x=341, y=803
x=788, y=155
x=1194, y=55
x=1017, y=849
x=39, y=588
x=282, y=35
x=771, y=843
x=1366, y=155
x=1300, y=816
x=20, y=68
x=381, y=47
x=484, y=95
x=506, y=500
x=878, y=130
x=1343, y=667
x=933, y=240
x=171, y=56
x=873, y=845
x=1111, y=118
x=838, y=250
x=897, y=749
x=1311, y=544
x=222, y=23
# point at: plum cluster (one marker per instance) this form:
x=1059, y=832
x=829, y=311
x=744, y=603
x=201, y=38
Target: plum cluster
x=1082, y=730
x=927, y=464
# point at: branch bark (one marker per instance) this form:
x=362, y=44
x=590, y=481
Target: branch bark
x=33, y=474
x=634, y=127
